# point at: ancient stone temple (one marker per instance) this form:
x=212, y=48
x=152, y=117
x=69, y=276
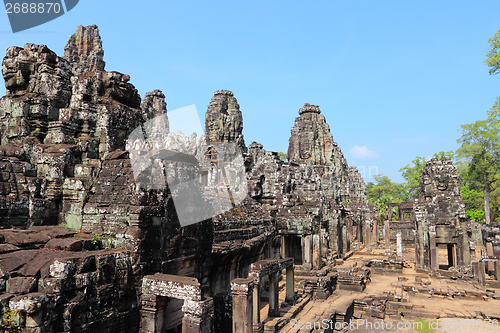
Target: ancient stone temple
x=440, y=217
x=111, y=223
x=323, y=200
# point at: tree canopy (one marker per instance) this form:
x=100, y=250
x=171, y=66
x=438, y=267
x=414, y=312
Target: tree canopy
x=480, y=148
x=493, y=56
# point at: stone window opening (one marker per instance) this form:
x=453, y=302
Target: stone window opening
x=212, y=155
x=163, y=295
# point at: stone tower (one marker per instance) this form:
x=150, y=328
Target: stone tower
x=311, y=141
x=223, y=120
x=84, y=50
x=440, y=216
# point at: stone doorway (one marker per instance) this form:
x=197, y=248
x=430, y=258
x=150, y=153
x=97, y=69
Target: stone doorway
x=293, y=248
x=447, y=255
x=169, y=317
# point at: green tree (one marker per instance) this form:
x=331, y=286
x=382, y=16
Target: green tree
x=480, y=148
x=493, y=56
x=412, y=172
x=383, y=192
x=473, y=200
x=283, y=156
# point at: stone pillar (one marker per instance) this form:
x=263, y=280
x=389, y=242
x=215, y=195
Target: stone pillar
x=333, y=236
x=497, y=270
x=149, y=313
x=463, y=251
x=433, y=253
x=359, y=233
x=242, y=290
x=307, y=251
x=345, y=241
x=399, y=244
x=417, y=254
x=387, y=235
x=368, y=235
x=350, y=227
x=316, y=251
x=375, y=231
x=482, y=277
x=256, y=308
x=478, y=267
x=274, y=308
x=290, y=285
x=323, y=245
x=455, y=257
x=283, y=246
x=489, y=253
x=198, y=316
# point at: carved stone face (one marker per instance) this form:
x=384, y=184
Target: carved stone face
x=442, y=185
x=305, y=154
x=442, y=182
x=16, y=80
x=305, y=145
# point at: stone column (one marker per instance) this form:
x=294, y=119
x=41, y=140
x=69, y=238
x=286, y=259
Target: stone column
x=256, y=308
x=375, y=231
x=387, y=235
x=399, y=244
x=345, y=240
x=463, y=251
x=323, y=245
x=497, y=270
x=455, y=257
x=333, y=237
x=198, y=316
x=417, y=254
x=149, y=313
x=359, y=233
x=479, y=275
x=475, y=269
x=307, y=251
x=481, y=278
x=290, y=285
x=368, y=235
x=433, y=250
x=283, y=246
x=274, y=308
x=316, y=251
x=242, y=290
x=489, y=253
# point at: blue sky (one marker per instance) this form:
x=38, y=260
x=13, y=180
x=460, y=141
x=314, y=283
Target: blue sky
x=394, y=79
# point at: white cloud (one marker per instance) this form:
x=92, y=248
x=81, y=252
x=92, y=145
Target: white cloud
x=362, y=152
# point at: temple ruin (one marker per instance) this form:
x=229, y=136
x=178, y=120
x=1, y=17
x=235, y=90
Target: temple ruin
x=93, y=238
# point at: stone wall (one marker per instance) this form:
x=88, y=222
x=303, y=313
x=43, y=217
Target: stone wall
x=55, y=280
